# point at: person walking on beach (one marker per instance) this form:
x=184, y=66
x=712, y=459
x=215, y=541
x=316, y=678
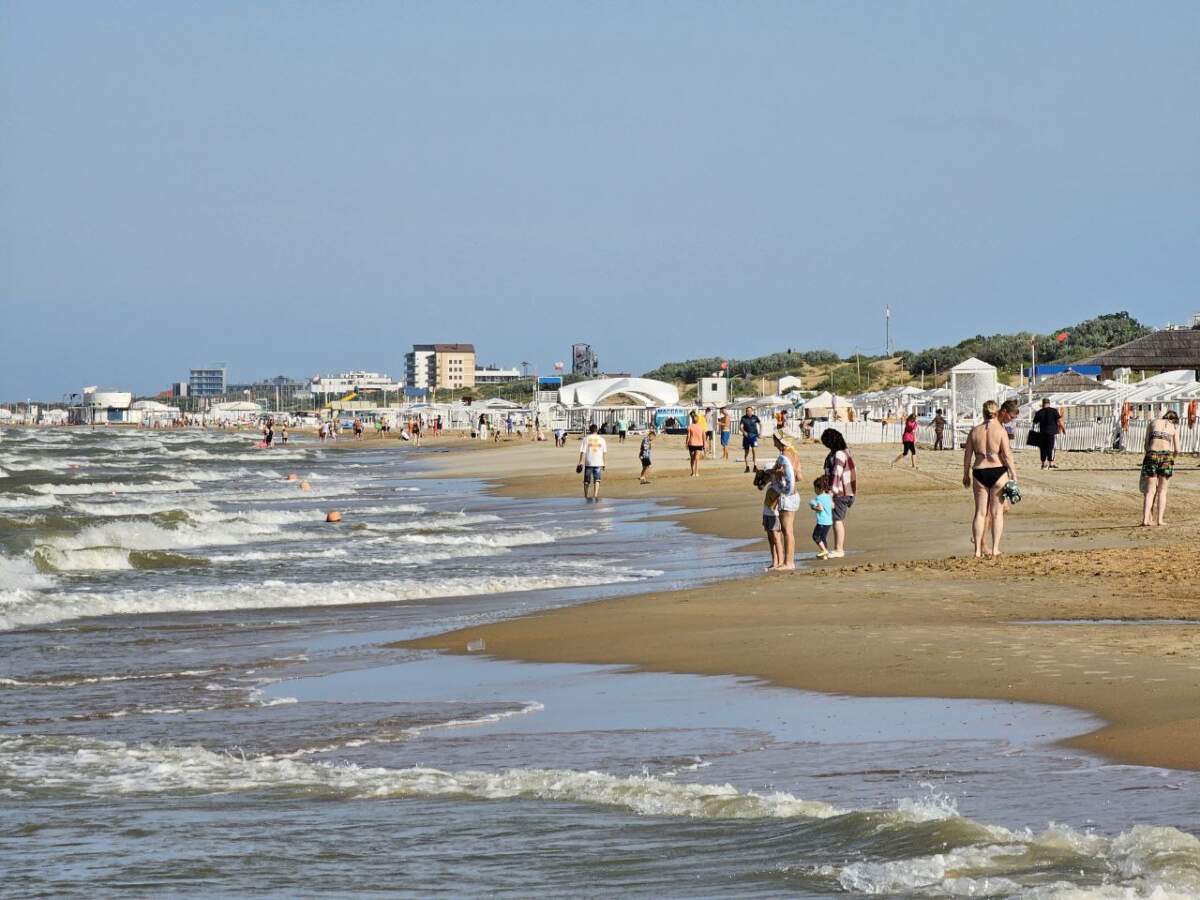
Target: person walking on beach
x=644, y=452
x=822, y=505
x=723, y=422
x=749, y=426
x=1158, y=465
x=785, y=473
x=843, y=485
x=706, y=422
x=939, y=431
x=593, y=456
x=908, y=440
x=695, y=443
x=622, y=429
x=987, y=467
x=1048, y=422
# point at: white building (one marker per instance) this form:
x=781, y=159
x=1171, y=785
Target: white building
x=354, y=382
x=493, y=375
x=102, y=406
x=712, y=390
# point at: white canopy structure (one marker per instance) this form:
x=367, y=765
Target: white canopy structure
x=825, y=405
x=646, y=391
x=5, y=414
x=236, y=409
x=972, y=383
x=152, y=406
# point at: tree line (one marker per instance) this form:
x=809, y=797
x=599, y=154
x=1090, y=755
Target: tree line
x=1004, y=351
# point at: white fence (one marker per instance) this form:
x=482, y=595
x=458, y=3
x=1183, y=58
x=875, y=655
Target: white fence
x=1102, y=434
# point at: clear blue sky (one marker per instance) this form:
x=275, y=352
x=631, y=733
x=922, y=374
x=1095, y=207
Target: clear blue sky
x=305, y=186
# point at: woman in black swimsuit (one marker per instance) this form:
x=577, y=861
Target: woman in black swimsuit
x=987, y=467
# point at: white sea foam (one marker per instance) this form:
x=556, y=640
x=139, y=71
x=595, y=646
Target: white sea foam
x=142, y=506
x=45, y=608
x=27, y=501
x=497, y=539
x=143, y=535
x=114, y=487
x=1158, y=862
x=90, y=559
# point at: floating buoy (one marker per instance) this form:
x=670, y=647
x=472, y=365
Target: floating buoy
x=305, y=486
x=333, y=516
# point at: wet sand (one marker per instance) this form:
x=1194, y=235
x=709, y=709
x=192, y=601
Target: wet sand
x=907, y=612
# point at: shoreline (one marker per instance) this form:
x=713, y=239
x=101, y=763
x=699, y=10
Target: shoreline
x=906, y=613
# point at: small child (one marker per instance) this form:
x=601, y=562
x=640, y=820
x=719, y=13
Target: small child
x=644, y=451
x=822, y=505
x=770, y=515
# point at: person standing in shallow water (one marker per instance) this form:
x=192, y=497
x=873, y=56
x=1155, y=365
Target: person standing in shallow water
x=987, y=467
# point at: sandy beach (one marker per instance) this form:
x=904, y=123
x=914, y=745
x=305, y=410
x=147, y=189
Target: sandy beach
x=1084, y=610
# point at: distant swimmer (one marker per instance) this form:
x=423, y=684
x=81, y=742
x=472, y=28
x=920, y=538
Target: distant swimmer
x=333, y=516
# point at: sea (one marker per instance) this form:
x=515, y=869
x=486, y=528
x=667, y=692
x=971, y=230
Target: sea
x=200, y=695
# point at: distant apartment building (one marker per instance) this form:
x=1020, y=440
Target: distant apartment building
x=207, y=382
x=354, y=382
x=584, y=362
x=279, y=392
x=440, y=366
x=496, y=375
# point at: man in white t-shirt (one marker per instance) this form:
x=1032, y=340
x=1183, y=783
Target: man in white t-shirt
x=593, y=450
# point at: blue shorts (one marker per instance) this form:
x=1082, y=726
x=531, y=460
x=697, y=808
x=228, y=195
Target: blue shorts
x=724, y=438
x=749, y=441
x=591, y=473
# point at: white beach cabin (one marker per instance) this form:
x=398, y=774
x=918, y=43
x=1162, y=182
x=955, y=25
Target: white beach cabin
x=972, y=383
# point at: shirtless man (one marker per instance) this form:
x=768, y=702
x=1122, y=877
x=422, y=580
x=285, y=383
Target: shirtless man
x=987, y=467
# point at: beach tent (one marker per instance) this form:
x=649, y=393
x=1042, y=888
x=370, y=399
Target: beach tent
x=826, y=406
x=236, y=409
x=646, y=391
x=972, y=383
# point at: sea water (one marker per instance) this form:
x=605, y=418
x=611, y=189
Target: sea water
x=199, y=698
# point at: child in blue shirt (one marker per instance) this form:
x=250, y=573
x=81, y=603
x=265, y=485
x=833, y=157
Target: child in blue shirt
x=822, y=505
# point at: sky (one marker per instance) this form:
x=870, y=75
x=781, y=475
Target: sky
x=302, y=187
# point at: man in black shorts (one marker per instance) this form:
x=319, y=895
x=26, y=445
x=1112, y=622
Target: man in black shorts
x=750, y=426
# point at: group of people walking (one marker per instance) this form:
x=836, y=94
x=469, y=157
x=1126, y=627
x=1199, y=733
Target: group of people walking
x=989, y=472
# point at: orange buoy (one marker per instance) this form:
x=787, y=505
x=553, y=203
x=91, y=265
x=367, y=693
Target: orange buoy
x=333, y=516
